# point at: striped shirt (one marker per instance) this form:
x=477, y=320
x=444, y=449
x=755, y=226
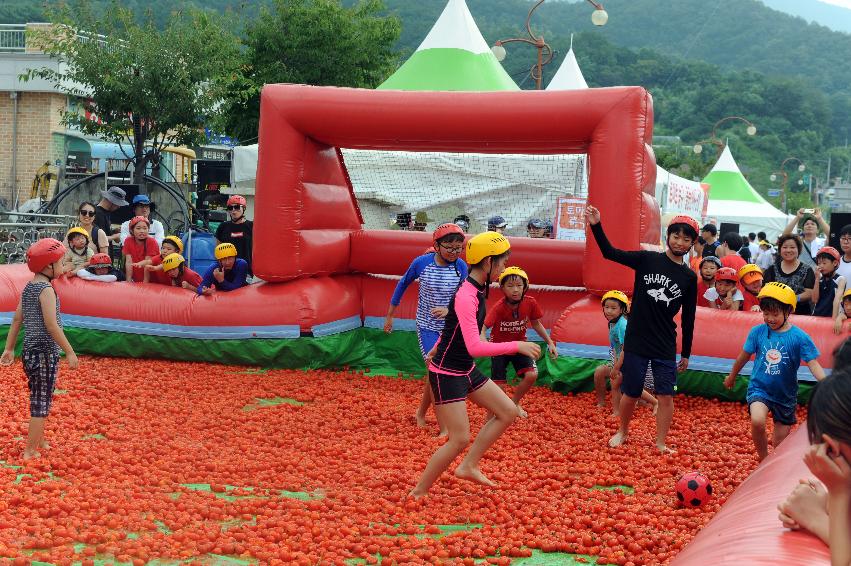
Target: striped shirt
x=437, y=287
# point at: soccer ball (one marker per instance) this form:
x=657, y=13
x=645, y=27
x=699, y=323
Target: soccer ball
x=693, y=489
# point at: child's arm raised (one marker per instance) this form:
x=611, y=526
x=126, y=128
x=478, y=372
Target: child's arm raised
x=47, y=299
x=542, y=332
x=837, y=298
x=738, y=364
x=12, y=337
x=630, y=259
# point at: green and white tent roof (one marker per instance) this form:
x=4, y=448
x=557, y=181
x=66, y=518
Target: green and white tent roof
x=733, y=199
x=569, y=75
x=454, y=56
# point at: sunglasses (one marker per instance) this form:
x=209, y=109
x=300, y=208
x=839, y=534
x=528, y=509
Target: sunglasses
x=235, y=207
x=87, y=213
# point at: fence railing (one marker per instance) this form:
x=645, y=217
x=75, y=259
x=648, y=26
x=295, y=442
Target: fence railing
x=19, y=230
x=13, y=37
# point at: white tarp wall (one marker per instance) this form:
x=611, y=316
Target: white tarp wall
x=678, y=195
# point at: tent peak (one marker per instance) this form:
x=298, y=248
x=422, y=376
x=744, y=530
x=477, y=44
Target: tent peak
x=726, y=162
x=455, y=28
x=569, y=75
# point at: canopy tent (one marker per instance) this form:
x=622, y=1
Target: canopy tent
x=569, y=75
x=453, y=56
x=733, y=199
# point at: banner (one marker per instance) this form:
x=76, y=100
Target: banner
x=570, y=218
x=683, y=196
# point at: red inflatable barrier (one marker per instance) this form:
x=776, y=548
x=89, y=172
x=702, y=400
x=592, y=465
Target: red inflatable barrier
x=746, y=529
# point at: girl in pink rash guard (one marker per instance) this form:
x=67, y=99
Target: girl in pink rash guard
x=453, y=375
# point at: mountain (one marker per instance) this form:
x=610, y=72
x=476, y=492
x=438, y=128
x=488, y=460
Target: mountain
x=834, y=17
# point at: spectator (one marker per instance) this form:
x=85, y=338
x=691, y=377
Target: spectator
x=753, y=245
x=730, y=244
x=548, y=229
x=745, y=253
x=497, y=224
x=707, y=296
x=463, y=221
x=750, y=277
x=710, y=233
x=844, y=268
x=535, y=228
x=726, y=285
x=138, y=249
x=697, y=255
x=98, y=241
x=142, y=206
x=228, y=273
x=791, y=271
x=810, y=224
x=112, y=199
x=79, y=253
x=238, y=231
x=178, y=275
x=765, y=258
x=100, y=269
x=831, y=285
x=154, y=271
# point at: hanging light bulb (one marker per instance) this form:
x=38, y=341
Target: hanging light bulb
x=599, y=16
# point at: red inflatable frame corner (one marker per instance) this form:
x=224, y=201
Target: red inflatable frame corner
x=306, y=212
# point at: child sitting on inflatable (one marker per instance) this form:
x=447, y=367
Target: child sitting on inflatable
x=228, y=273
x=844, y=312
x=38, y=311
x=779, y=347
x=824, y=507
x=154, y=270
x=453, y=375
x=615, y=309
x=79, y=253
x=726, y=285
x=138, y=249
x=174, y=268
x=510, y=318
x=100, y=269
x=750, y=277
x=708, y=268
x=830, y=284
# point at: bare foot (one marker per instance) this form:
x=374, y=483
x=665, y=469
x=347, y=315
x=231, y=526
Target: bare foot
x=472, y=474
x=618, y=439
x=601, y=404
x=521, y=412
x=443, y=433
x=421, y=420
x=414, y=494
x=44, y=445
x=655, y=408
x=30, y=455
x=616, y=413
x=665, y=449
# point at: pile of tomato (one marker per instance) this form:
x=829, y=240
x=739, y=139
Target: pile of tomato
x=185, y=462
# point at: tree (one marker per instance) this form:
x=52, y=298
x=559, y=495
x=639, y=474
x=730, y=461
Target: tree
x=140, y=87
x=315, y=42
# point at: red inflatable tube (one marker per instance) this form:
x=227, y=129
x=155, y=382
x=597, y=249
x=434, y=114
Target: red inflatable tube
x=746, y=529
x=390, y=252
x=717, y=334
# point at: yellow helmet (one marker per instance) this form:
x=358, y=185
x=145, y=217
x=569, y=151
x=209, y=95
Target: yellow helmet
x=178, y=243
x=847, y=293
x=779, y=292
x=172, y=261
x=225, y=250
x=514, y=271
x=752, y=270
x=617, y=295
x=77, y=230
x=485, y=245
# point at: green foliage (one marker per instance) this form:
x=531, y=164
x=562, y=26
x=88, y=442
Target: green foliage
x=145, y=88
x=316, y=42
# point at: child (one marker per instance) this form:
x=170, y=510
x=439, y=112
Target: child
x=824, y=507
x=510, y=318
x=750, y=276
x=154, y=270
x=439, y=272
x=726, y=285
x=453, y=375
x=38, y=311
x=663, y=285
x=844, y=312
x=831, y=285
x=779, y=347
x=174, y=267
x=615, y=308
x=765, y=257
x=707, y=296
x=228, y=273
x=100, y=269
x=138, y=249
x=79, y=253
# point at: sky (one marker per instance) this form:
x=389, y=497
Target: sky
x=842, y=3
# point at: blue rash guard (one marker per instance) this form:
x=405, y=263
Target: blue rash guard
x=234, y=277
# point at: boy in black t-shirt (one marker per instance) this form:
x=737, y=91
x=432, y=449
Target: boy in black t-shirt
x=238, y=230
x=664, y=283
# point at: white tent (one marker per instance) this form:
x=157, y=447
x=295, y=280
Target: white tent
x=733, y=199
x=569, y=75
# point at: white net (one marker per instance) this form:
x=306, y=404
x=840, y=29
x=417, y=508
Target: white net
x=432, y=188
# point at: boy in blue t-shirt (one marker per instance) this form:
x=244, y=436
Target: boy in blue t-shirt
x=439, y=273
x=779, y=347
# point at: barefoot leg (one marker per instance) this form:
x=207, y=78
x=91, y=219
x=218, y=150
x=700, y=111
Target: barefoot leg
x=648, y=398
x=781, y=431
x=627, y=407
x=35, y=434
x=617, y=378
x=664, y=416
x=458, y=426
x=600, y=375
x=522, y=388
x=425, y=403
x=491, y=397
x=759, y=412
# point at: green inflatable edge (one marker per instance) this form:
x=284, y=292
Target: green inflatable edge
x=366, y=349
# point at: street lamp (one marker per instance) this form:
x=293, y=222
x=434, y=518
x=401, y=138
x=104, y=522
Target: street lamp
x=782, y=171
x=713, y=139
x=599, y=18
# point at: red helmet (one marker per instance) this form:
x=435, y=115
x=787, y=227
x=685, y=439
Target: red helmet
x=727, y=274
x=687, y=220
x=100, y=260
x=237, y=199
x=136, y=219
x=831, y=251
x=43, y=253
x=444, y=230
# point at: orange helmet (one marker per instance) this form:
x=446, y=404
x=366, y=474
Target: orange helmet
x=727, y=274
x=237, y=199
x=444, y=230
